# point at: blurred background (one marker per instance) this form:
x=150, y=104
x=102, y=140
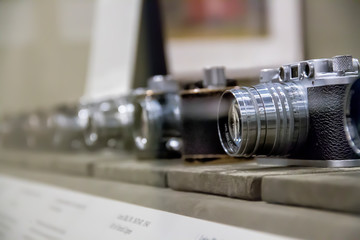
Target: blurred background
x=45, y=44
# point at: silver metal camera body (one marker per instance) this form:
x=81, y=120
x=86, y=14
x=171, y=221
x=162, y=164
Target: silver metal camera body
x=157, y=123
x=297, y=111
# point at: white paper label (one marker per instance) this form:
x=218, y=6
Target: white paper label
x=113, y=48
x=32, y=210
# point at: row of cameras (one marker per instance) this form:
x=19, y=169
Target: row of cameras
x=305, y=110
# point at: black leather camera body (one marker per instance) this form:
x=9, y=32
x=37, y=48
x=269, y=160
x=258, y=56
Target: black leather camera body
x=199, y=116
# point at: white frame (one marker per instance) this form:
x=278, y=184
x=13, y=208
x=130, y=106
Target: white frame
x=243, y=57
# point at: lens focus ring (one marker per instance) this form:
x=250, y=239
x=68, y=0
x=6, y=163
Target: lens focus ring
x=266, y=119
x=352, y=116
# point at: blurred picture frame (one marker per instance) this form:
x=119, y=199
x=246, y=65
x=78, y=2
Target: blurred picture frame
x=274, y=39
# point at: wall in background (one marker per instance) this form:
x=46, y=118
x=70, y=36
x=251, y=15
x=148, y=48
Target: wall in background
x=331, y=28
x=44, y=49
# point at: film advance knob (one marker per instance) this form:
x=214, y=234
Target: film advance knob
x=214, y=77
x=342, y=63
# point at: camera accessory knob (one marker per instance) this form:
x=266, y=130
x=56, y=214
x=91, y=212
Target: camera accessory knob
x=342, y=63
x=214, y=77
x=267, y=75
x=163, y=83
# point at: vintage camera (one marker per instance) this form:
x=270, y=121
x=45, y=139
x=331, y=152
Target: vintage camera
x=296, y=111
x=156, y=127
x=37, y=130
x=199, y=116
x=67, y=124
x=109, y=124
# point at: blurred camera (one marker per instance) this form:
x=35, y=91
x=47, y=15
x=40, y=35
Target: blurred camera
x=156, y=127
x=296, y=111
x=199, y=116
x=109, y=124
x=67, y=124
x=37, y=130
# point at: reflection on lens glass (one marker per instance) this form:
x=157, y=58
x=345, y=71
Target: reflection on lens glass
x=138, y=123
x=234, y=122
x=144, y=124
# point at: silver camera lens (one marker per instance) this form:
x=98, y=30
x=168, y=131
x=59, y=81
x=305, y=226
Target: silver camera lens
x=352, y=116
x=147, y=122
x=234, y=123
x=91, y=131
x=68, y=122
x=266, y=119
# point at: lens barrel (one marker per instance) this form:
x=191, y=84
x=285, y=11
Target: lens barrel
x=148, y=120
x=265, y=119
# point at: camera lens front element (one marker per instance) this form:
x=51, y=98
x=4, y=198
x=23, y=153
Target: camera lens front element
x=352, y=118
x=238, y=123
